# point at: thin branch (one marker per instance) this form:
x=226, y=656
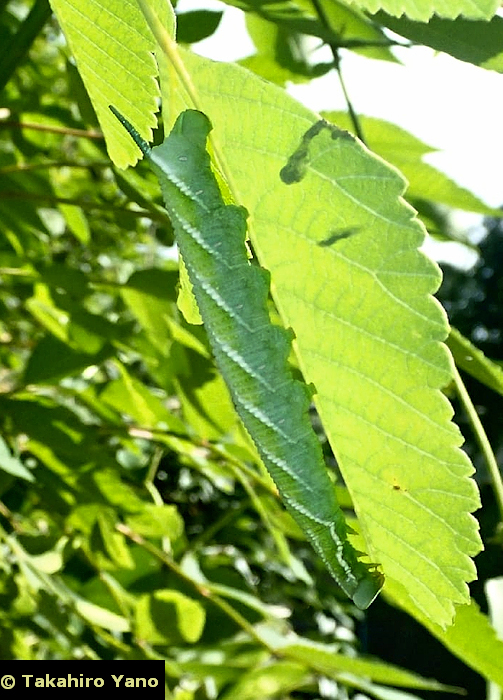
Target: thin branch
x=28, y=167
x=88, y=206
x=65, y=130
x=203, y=589
x=334, y=48
x=481, y=437
x=170, y=49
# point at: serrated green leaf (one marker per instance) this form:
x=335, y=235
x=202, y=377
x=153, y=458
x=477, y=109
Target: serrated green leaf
x=424, y=9
x=367, y=331
x=108, y=39
x=477, y=42
x=405, y=151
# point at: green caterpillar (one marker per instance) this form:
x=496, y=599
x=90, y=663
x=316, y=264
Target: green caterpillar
x=251, y=352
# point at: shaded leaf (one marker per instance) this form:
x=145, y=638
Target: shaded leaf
x=169, y=616
x=473, y=361
x=13, y=465
x=347, y=26
x=471, y=637
x=196, y=25
x=478, y=42
x=53, y=359
x=129, y=396
x=280, y=54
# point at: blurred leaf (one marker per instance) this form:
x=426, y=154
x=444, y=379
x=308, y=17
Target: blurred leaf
x=281, y=55
x=52, y=561
x=13, y=51
x=348, y=27
x=76, y=221
x=130, y=397
x=205, y=400
x=53, y=359
x=196, y=25
x=167, y=616
x=101, y=617
x=157, y=521
x=270, y=681
x=116, y=492
x=114, y=541
x=42, y=307
x=327, y=661
x=148, y=294
x=12, y=465
x=57, y=276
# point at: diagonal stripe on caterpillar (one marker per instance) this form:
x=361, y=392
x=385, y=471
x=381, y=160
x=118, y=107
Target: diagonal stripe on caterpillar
x=250, y=351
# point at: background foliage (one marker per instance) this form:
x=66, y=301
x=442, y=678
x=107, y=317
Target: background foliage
x=134, y=522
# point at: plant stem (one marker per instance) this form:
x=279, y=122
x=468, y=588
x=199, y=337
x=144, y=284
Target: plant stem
x=30, y=167
x=87, y=206
x=337, y=65
x=203, y=589
x=481, y=437
x=65, y=130
x=169, y=47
